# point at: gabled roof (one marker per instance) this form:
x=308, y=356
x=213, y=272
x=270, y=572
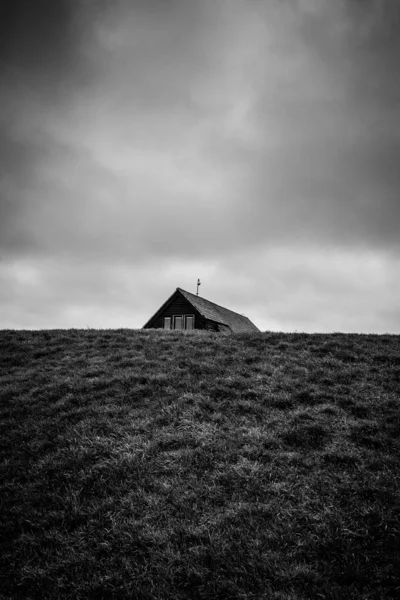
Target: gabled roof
x=226, y=319
x=209, y=310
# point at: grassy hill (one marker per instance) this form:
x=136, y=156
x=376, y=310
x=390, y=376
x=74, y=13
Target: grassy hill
x=160, y=465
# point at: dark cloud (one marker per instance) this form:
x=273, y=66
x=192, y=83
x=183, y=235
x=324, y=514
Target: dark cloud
x=312, y=157
x=151, y=134
x=334, y=179
x=33, y=33
x=43, y=63
x=42, y=41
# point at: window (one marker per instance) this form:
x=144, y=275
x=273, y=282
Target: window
x=178, y=322
x=189, y=322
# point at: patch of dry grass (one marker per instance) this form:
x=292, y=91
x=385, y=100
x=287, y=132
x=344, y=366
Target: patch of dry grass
x=151, y=464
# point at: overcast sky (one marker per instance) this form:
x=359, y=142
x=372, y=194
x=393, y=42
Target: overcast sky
x=253, y=144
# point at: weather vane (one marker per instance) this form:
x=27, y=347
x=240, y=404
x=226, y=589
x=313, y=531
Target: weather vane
x=198, y=284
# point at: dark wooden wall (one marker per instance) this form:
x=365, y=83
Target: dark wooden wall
x=178, y=306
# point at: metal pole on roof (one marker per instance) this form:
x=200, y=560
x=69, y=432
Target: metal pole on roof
x=198, y=284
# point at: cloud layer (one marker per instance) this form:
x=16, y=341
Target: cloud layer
x=177, y=137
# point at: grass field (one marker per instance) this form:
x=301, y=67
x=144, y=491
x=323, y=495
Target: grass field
x=160, y=465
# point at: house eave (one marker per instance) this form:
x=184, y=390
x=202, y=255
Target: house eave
x=167, y=303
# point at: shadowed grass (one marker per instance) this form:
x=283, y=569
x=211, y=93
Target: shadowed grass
x=151, y=464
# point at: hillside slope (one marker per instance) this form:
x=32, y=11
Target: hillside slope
x=151, y=464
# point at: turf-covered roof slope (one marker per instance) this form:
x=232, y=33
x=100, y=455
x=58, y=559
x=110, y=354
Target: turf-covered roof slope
x=236, y=323
x=225, y=318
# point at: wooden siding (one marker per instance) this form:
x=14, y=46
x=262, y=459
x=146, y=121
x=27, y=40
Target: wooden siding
x=178, y=306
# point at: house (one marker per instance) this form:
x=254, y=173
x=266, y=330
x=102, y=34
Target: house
x=184, y=310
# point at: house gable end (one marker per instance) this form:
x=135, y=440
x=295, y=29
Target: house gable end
x=176, y=304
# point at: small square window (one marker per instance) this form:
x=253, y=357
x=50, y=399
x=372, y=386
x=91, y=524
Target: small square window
x=167, y=322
